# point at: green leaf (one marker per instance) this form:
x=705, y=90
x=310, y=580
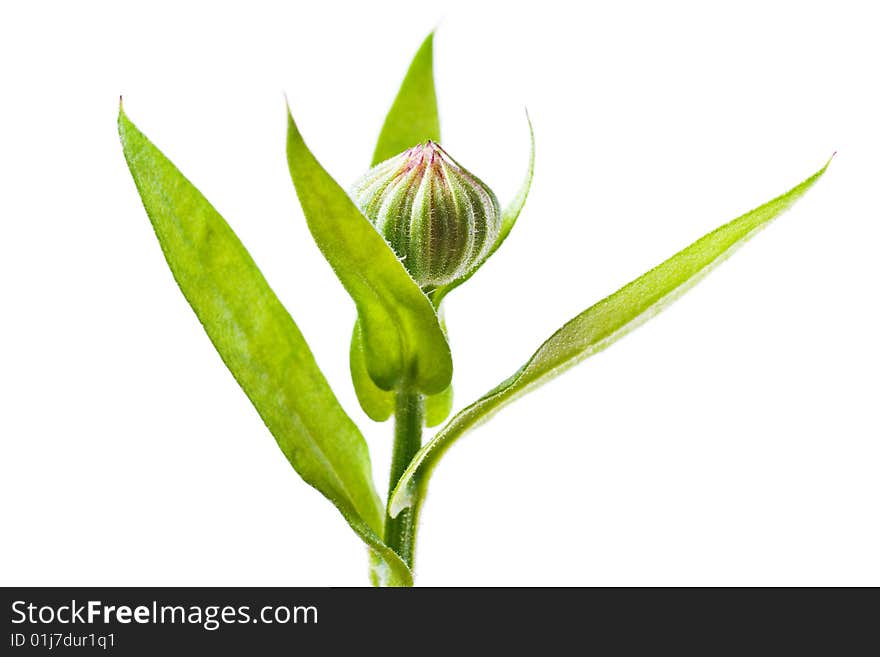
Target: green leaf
x=438, y=407
x=413, y=117
x=387, y=569
x=508, y=218
x=402, y=338
x=511, y=213
x=378, y=404
x=596, y=328
x=259, y=342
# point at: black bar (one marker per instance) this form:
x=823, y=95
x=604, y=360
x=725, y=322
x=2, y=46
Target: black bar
x=132, y=621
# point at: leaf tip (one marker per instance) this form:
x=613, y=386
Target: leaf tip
x=122, y=122
x=293, y=133
x=426, y=50
x=824, y=168
x=287, y=109
x=531, y=133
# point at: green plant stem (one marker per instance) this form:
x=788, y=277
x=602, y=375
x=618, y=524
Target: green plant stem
x=409, y=417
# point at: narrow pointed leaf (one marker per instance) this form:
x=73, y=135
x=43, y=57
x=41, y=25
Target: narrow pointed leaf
x=508, y=218
x=413, y=117
x=596, y=328
x=402, y=337
x=259, y=342
x=511, y=213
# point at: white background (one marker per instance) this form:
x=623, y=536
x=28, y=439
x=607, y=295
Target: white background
x=731, y=441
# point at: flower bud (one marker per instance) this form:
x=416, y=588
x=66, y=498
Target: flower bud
x=439, y=218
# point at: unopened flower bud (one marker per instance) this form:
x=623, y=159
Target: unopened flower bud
x=439, y=218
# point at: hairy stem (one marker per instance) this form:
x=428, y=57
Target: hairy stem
x=409, y=417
